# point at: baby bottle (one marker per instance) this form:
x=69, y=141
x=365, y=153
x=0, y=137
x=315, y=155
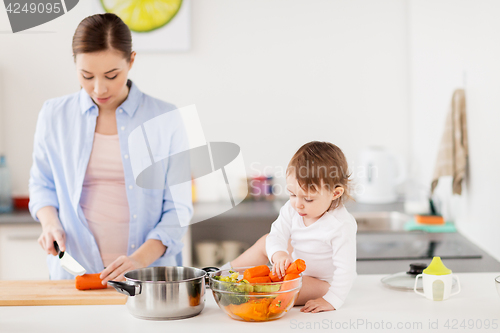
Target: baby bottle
x=437, y=281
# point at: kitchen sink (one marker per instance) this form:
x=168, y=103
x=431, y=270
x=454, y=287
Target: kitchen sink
x=380, y=221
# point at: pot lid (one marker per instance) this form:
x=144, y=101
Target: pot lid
x=405, y=280
x=437, y=267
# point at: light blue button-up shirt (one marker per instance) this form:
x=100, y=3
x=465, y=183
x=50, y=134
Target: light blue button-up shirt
x=63, y=143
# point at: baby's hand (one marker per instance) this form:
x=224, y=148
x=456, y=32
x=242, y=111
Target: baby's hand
x=281, y=262
x=317, y=305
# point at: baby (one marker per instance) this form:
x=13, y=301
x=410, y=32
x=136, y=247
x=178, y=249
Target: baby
x=314, y=226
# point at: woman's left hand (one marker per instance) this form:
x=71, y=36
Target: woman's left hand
x=115, y=271
x=317, y=305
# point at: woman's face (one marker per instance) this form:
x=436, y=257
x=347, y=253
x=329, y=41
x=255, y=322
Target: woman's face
x=104, y=75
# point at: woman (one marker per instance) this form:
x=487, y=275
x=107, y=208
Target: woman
x=82, y=186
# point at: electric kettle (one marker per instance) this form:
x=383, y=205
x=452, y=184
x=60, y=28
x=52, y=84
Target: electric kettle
x=379, y=174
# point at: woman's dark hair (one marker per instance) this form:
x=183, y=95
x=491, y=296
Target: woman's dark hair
x=101, y=32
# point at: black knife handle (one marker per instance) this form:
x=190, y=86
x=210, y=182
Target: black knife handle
x=58, y=250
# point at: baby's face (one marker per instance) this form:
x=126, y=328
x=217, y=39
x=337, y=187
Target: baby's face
x=311, y=205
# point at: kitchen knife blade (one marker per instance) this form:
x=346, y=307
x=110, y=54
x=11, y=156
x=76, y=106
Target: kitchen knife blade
x=68, y=262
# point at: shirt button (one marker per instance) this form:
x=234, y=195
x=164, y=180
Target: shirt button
x=126, y=156
x=132, y=246
x=121, y=111
x=123, y=128
x=135, y=216
x=130, y=187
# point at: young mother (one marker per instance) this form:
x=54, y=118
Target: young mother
x=82, y=188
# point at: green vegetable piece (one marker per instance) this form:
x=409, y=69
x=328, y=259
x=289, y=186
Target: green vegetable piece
x=271, y=288
x=232, y=293
x=245, y=288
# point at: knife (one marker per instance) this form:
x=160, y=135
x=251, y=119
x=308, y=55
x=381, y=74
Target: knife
x=68, y=262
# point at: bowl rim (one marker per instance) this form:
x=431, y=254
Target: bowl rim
x=497, y=279
x=219, y=272
x=212, y=274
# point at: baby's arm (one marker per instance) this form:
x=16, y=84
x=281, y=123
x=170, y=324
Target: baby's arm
x=277, y=241
x=344, y=263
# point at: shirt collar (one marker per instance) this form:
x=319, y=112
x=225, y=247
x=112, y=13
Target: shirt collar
x=130, y=105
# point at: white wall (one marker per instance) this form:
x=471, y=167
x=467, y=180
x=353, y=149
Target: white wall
x=268, y=75
x=448, y=38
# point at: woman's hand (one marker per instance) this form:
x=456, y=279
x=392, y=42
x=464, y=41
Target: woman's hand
x=52, y=231
x=145, y=255
x=281, y=261
x=317, y=305
x=116, y=270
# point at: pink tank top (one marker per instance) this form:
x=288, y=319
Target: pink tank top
x=104, y=198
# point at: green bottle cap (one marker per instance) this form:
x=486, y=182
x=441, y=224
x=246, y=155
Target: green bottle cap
x=437, y=267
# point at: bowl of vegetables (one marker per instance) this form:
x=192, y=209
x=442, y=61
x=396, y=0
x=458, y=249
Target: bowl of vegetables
x=250, y=294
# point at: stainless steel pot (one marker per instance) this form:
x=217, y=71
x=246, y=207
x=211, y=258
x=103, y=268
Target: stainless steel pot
x=164, y=293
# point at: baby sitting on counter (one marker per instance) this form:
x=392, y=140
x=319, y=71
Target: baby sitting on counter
x=314, y=226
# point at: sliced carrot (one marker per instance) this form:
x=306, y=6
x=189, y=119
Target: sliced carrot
x=281, y=303
x=275, y=277
x=260, y=279
x=297, y=267
x=289, y=277
x=89, y=281
x=253, y=310
x=256, y=271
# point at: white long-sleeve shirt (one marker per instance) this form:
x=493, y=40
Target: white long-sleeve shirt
x=328, y=247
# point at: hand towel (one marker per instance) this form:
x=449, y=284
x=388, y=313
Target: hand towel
x=453, y=150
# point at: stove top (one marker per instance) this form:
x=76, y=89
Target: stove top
x=414, y=245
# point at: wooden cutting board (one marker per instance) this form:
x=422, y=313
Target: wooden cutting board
x=60, y=292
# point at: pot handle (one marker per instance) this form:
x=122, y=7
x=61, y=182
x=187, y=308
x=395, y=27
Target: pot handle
x=209, y=270
x=126, y=288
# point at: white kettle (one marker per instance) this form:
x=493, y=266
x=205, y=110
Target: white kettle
x=378, y=175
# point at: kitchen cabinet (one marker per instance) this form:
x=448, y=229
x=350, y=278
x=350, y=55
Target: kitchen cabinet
x=245, y=223
x=21, y=257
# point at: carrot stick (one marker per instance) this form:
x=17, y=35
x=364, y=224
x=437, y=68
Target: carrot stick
x=89, y=281
x=281, y=303
x=260, y=279
x=256, y=271
x=292, y=276
x=297, y=267
x=275, y=277
x=253, y=310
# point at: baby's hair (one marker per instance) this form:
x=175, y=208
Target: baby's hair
x=318, y=164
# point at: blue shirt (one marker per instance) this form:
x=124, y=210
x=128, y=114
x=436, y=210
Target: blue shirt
x=63, y=143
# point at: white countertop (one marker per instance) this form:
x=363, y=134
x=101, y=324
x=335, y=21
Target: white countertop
x=369, y=303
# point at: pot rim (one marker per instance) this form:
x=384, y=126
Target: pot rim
x=165, y=282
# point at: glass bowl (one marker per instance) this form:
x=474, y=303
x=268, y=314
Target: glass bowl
x=254, y=301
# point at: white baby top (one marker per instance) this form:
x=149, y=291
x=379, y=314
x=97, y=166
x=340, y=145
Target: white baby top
x=328, y=247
